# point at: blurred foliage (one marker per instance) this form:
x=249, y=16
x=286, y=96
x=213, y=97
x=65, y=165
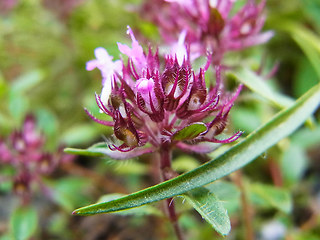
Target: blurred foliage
x=42, y=71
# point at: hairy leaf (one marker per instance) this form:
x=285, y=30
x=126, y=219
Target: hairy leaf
x=210, y=208
x=283, y=124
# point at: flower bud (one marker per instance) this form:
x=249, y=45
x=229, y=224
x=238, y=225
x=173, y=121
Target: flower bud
x=125, y=131
x=150, y=99
x=175, y=80
x=197, y=97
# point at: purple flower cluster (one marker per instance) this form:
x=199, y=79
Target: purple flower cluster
x=209, y=24
x=24, y=151
x=7, y=5
x=156, y=101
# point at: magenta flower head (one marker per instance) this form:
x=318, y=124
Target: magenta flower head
x=209, y=25
x=24, y=152
x=156, y=102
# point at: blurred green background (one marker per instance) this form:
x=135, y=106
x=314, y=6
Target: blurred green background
x=44, y=47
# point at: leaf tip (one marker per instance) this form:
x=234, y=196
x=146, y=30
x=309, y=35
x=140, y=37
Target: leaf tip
x=67, y=150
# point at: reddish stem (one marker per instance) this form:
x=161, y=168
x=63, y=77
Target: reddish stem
x=247, y=210
x=275, y=172
x=167, y=173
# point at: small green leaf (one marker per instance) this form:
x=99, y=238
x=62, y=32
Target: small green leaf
x=23, y=223
x=96, y=150
x=210, y=208
x=102, y=149
x=189, y=132
x=268, y=195
x=282, y=125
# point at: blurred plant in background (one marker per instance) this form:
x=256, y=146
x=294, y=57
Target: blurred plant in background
x=44, y=47
x=209, y=25
x=24, y=153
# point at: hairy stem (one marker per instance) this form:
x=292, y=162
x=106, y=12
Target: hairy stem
x=167, y=173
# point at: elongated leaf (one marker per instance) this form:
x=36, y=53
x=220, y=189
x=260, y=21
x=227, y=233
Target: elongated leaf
x=306, y=39
x=189, y=132
x=144, y=210
x=258, y=85
x=312, y=55
x=210, y=208
x=283, y=124
x=96, y=150
x=102, y=149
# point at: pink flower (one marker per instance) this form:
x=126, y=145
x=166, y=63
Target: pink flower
x=209, y=25
x=135, y=53
x=153, y=101
x=107, y=67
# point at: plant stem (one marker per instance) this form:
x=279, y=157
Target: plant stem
x=167, y=173
x=246, y=207
x=275, y=172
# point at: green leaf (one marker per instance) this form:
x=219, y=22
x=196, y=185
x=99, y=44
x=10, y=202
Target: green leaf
x=23, y=223
x=228, y=193
x=312, y=55
x=283, y=124
x=293, y=163
x=260, y=86
x=305, y=71
x=28, y=80
x=306, y=137
x=306, y=39
x=102, y=149
x=245, y=119
x=144, y=210
x=210, y=208
x=189, y=132
x=69, y=191
x=267, y=195
x=96, y=150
